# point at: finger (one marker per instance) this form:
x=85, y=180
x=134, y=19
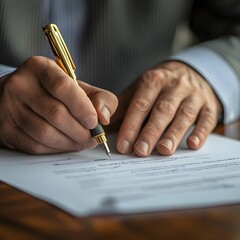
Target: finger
x=161, y=116
x=63, y=88
x=185, y=117
x=103, y=101
x=147, y=92
x=46, y=134
x=207, y=121
x=15, y=138
x=63, y=124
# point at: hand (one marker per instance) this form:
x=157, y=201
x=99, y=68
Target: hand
x=44, y=111
x=161, y=105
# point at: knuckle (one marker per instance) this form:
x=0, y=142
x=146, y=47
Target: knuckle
x=60, y=86
x=141, y=105
x=167, y=107
x=161, y=75
x=152, y=79
x=44, y=133
x=183, y=80
x=175, y=133
x=56, y=114
x=32, y=61
x=12, y=85
x=16, y=142
x=151, y=133
x=209, y=116
x=202, y=130
x=188, y=113
x=37, y=61
x=132, y=126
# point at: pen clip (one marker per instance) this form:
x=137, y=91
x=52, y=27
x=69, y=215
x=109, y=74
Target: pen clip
x=59, y=48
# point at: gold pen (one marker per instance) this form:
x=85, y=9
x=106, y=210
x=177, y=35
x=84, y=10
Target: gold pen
x=64, y=60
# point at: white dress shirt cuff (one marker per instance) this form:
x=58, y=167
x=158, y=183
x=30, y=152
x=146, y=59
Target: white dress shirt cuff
x=219, y=75
x=4, y=70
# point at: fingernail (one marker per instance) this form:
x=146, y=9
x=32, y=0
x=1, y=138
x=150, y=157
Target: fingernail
x=195, y=139
x=106, y=113
x=123, y=147
x=142, y=147
x=167, y=143
x=90, y=122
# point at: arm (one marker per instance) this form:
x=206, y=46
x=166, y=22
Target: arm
x=217, y=25
x=185, y=90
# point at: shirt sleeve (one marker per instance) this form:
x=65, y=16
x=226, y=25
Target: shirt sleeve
x=219, y=75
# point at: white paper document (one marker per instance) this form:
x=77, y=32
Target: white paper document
x=87, y=182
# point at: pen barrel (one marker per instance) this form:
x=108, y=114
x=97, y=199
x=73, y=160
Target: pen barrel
x=64, y=60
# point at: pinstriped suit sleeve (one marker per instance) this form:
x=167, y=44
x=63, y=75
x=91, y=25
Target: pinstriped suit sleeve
x=217, y=58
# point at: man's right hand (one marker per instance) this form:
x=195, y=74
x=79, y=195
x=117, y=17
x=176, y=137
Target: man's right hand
x=44, y=111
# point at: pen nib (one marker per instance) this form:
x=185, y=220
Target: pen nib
x=110, y=156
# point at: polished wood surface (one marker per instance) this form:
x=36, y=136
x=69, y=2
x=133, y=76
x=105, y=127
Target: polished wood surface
x=25, y=217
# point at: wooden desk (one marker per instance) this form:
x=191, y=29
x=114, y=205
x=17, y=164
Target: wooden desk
x=25, y=217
